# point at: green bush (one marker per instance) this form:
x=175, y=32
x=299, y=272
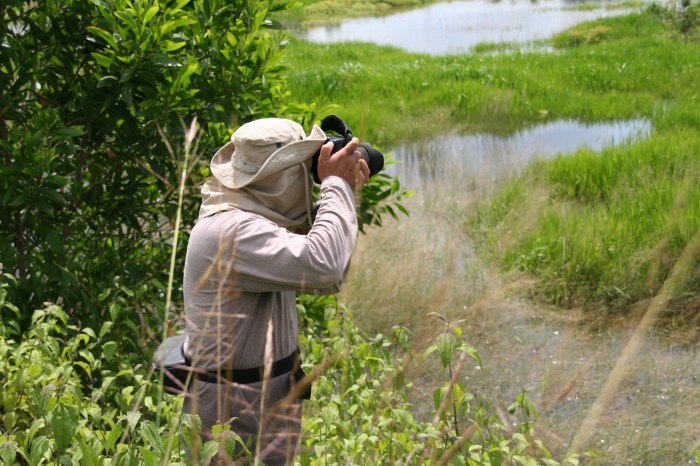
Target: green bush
x=92, y=96
x=360, y=411
x=68, y=398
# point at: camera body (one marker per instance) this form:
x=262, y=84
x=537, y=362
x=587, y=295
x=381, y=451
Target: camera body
x=374, y=158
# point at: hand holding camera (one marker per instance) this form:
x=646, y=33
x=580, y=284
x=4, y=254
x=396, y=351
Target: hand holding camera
x=347, y=163
x=366, y=161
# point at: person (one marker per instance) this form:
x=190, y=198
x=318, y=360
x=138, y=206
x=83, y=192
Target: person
x=259, y=240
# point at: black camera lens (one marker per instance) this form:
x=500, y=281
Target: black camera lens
x=374, y=158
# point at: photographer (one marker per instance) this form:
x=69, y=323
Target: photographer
x=254, y=246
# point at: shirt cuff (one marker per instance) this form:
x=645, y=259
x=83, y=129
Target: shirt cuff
x=336, y=180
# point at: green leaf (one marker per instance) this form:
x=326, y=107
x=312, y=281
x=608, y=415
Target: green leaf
x=149, y=431
x=86, y=367
x=52, y=195
x=438, y=394
x=165, y=28
x=36, y=426
x=53, y=238
x=102, y=34
x=149, y=459
x=8, y=453
x=150, y=14
x=169, y=46
x=114, y=435
x=128, y=459
x=231, y=39
x=164, y=60
x=106, y=327
x=39, y=451
x=209, y=449
x=471, y=351
x=56, y=181
x=90, y=451
x=132, y=418
x=114, y=311
x=102, y=60
x=108, y=349
x=445, y=344
x=68, y=132
x=107, y=81
x=127, y=18
x=64, y=421
x=231, y=443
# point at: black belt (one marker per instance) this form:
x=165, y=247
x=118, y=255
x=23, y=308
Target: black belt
x=251, y=375
x=176, y=369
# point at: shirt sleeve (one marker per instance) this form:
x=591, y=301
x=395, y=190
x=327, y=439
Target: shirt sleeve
x=270, y=258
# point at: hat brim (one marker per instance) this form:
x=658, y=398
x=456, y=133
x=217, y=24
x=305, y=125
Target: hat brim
x=292, y=154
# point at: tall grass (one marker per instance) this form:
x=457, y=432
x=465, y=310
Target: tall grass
x=614, y=220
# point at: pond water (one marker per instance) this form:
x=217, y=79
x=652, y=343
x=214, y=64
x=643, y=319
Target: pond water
x=488, y=157
x=456, y=27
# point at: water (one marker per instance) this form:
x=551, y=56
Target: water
x=456, y=27
x=488, y=157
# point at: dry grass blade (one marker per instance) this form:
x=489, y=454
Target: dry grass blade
x=457, y=446
x=573, y=382
x=300, y=386
x=267, y=371
x=678, y=276
x=505, y=418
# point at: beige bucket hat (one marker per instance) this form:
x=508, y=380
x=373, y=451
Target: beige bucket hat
x=263, y=147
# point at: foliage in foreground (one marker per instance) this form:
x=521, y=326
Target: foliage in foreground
x=69, y=398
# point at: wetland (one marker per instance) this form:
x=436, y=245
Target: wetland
x=547, y=188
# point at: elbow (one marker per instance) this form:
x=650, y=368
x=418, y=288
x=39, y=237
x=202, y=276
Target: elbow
x=330, y=276
x=328, y=269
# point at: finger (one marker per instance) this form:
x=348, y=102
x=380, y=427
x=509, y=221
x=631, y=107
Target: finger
x=349, y=148
x=364, y=168
x=326, y=150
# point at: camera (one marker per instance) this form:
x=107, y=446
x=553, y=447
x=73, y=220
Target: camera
x=374, y=158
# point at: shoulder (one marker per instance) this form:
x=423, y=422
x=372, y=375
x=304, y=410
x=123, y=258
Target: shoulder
x=233, y=222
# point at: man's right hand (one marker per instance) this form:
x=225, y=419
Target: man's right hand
x=346, y=163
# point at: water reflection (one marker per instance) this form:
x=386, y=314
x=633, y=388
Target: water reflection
x=487, y=157
x=455, y=27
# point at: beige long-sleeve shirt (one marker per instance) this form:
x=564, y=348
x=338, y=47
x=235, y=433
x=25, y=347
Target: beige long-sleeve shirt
x=242, y=270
